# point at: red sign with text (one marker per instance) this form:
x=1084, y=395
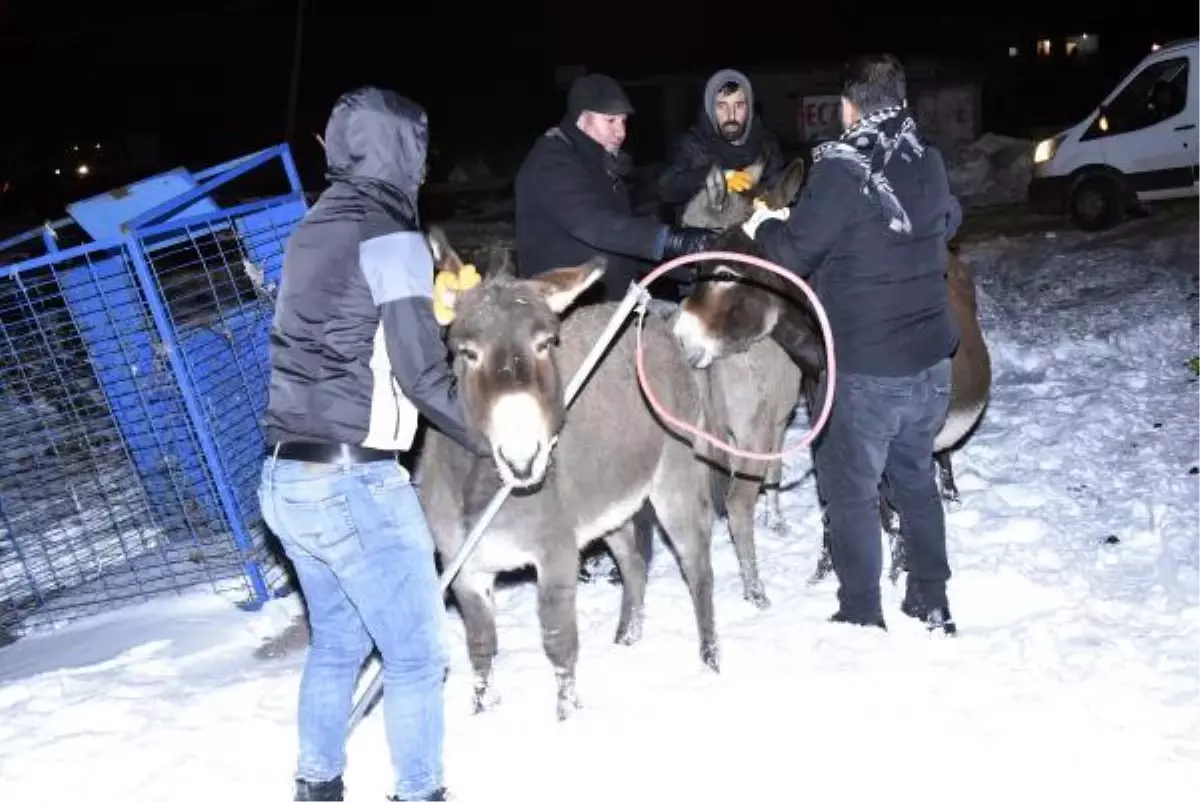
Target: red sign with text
x=820, y=117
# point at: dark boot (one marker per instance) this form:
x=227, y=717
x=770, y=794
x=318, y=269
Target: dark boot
x=863, y=621
x=320, y=790
x=437, y=796
x=936, y=617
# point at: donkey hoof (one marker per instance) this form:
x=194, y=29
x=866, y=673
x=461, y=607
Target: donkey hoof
x=484, y=699
x=758, y=597
x=630, y=633
x=566, y=708
x=711, y=655
x=823, y=569
x=568, y=699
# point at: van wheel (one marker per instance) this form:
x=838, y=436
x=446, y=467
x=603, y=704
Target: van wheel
x=1097, y=203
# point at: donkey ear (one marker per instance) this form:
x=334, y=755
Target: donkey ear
x=715, y=188
x=755, y=170
x=787, y=187
x=500, y=261
x=559, y=288
x=444, y=256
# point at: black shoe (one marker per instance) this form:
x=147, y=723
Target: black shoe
x=437, y=796
x=871, y=621
x=936, y=619
x=320, y=790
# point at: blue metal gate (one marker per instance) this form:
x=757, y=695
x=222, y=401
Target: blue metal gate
x=133, y=379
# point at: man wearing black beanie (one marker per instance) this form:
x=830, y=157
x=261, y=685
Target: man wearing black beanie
x=572, y=202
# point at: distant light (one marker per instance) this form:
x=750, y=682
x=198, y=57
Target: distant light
x=97, y=146
x=1013, y=52
x=1155, y=46
x=57, y=171
x=1083, y=36
x=76, y=147
x=1045, y=47
x=82, y=169
x=1103, y=123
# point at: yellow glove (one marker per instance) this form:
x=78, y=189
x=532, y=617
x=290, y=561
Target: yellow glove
x=447, y=287
x=738, y=180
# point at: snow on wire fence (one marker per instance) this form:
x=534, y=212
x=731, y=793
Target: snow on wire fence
x=133, y=380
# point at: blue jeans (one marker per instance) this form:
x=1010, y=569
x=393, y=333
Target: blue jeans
x=884, y=426
x=362, y=551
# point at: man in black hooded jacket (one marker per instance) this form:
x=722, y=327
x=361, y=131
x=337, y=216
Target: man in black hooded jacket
x=356, y=354
x=728, y=136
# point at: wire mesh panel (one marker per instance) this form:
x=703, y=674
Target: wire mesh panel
x=133, y=380
x=92, y=509
x=217, y=275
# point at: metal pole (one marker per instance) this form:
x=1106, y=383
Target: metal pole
x=636, y=295
x=294, y=81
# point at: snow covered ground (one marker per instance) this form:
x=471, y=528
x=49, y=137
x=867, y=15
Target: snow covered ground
x=1076, y=674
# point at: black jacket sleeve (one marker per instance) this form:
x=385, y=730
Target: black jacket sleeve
x=773, y=169
x=421, y=366
x=687, y=167
x=817, y=219
x=954, y=214
x=569, y=198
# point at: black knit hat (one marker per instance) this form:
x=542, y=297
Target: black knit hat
x=598, y=93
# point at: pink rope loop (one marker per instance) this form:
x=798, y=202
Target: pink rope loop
x=830, y=361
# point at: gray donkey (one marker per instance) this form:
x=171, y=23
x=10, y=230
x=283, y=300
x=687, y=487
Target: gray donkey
x=513, y=356
x=751, y=396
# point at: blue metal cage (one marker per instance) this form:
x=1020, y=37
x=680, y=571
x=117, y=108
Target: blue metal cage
x=133, y=380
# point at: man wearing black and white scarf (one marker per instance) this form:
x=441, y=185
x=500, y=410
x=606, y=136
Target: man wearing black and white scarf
x=869, y=231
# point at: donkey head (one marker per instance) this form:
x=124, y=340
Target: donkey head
x=503, y=340
x=733, y=306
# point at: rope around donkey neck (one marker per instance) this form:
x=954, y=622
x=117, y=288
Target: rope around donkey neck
x=684, y=426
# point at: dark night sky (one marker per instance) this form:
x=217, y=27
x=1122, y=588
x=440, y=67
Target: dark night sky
x=215, y=74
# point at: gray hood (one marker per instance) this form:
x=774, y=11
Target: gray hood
x=378, y=140
x=719, y=78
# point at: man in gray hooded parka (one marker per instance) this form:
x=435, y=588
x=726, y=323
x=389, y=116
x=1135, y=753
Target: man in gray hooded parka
x=726, y=135
x=356, y=358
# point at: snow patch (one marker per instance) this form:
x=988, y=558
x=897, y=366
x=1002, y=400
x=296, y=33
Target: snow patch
x=994, y=169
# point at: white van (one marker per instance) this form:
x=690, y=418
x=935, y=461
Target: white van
x=1141, y=144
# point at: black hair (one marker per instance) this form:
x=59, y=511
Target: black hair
x=874, y=81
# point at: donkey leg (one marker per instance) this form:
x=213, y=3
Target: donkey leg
x=557, y=572
x=946, y=477
x=825, y=561
x=773, y=513
x=473, y=591
x=892, y=526
x=629, y=553
x=743, y=494
x=681, y=500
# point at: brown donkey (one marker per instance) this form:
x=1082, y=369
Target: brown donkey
x=734, y=306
